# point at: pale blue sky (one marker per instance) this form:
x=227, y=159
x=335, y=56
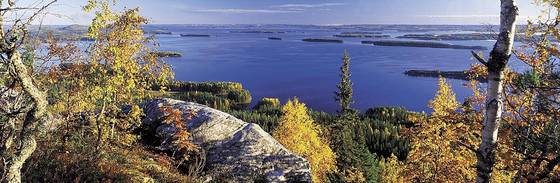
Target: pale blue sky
x=302, y=11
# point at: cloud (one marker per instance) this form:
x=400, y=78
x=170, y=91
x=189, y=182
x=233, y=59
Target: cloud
x=284, y=8
x=244, y=11
x=308, y=5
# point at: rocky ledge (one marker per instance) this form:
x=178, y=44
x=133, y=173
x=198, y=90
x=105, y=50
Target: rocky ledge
x=236, y=151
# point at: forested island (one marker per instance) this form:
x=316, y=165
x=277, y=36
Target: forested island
x=159, y=32
x=322, y=40
x=259, y=32
x=423, y=44
x=195, y=35
x=166, y=54
x=362, y=32
x=461, y=37
x=451, y=37
x=462, y=75
x=362, y=36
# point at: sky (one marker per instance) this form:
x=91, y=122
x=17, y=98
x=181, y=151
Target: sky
x=319, y=12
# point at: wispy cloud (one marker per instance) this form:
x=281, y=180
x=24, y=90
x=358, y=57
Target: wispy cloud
x=308, y=5
x=284, y=8
x=242, y=11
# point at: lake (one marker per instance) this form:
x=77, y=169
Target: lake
x=290, y=67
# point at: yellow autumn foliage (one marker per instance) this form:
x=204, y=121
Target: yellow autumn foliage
x=391, y=170
x=299, y=133
x=437, y=155
x=353, y=175
x=445, y=101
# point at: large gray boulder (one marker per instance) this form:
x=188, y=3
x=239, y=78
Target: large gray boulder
x=236, y=151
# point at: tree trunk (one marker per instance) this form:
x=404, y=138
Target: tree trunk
x=28, y=145
x=99, y=126
x=32, y=120
x=496, y=65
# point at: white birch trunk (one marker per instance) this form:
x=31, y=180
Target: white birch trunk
x=496, y=65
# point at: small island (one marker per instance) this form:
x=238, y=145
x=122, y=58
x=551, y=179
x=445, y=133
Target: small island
x=423, y=44
x=195, y=35
x=461, y=75
x=451, y=37
x=259, y=32
x=362, y=36
x=160, y=32
x=321, y=40
x=167, y=54
x=274, y=38
x=362, y=32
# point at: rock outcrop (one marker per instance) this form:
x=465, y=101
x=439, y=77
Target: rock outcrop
x=236, y=151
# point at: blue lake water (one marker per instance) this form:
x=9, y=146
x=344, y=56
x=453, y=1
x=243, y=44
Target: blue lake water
x=291, y=67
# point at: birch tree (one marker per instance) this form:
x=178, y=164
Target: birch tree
x=22, y=102
x=496, y=65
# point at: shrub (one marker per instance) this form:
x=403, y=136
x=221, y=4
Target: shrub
x=75, y=159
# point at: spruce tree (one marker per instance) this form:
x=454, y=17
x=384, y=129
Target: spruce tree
x=348, y=138
x=344, y=93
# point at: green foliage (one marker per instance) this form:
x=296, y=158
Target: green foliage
x=242, y=97
x=394, y=115
x=527, y=80
x=218, y=95
x=349, y=143
x=383, y=138
x=268, y=122
x=222, y=88
x=205, y=98
x=383, y=132
x=322, y=118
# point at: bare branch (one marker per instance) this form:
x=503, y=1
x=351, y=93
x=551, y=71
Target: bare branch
x=17, y=8
x=480, y=58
